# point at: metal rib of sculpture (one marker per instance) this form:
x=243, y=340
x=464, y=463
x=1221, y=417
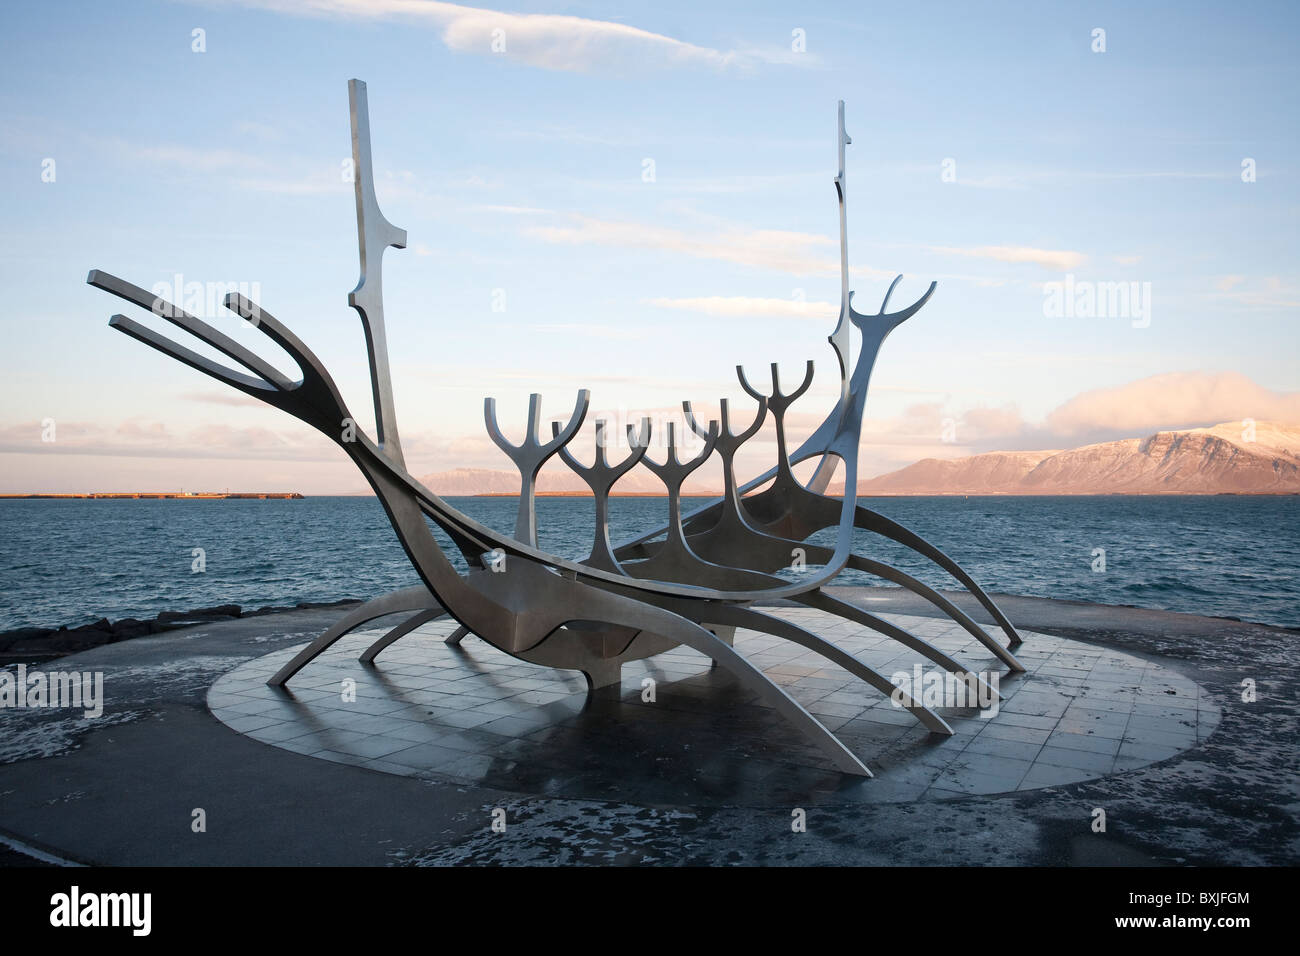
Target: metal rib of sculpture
x=689, y=582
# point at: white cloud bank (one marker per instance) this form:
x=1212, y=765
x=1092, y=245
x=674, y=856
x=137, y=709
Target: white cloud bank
x=1174, y=400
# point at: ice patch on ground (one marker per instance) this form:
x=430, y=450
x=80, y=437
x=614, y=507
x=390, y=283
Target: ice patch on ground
x=49, y=738
x=566, y=832
x=183, y=675
x=294, y=635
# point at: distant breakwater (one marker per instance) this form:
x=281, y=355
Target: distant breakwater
x=179, y=495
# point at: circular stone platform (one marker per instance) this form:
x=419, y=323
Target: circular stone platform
x=474, y=716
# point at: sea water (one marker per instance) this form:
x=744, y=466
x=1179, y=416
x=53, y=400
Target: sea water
x=73, y=561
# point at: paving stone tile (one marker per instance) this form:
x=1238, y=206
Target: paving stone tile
x=1092, y=743
x=1076, y=759
x=474, y=716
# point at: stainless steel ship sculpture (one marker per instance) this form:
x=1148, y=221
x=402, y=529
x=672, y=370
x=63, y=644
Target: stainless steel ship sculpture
x=690, y=582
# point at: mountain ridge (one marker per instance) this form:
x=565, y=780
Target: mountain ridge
x=1220, y=459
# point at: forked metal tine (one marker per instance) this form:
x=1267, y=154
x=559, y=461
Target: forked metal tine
x=640, y=444
x=601, y=473
x=642, y=440
x=691, y=422
x=494, y=430
x=671, y=456
x=750, y=390
x=194, y=326
x=778, y=401
x=789, y=399
x=601, y=478
x=567, y=456
x=245, y=383
x=888, y=292
x=673, y=468
x=534, y=425
x=915, y=307
x=311, y=367
x=314, y=399
x=893, y=319
x=739, y=439
x=529, y=456
x=727, y=441
x=533, y=440
x=580, y=409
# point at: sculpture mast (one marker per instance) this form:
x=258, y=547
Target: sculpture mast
x=374, y=235
x=839, y=339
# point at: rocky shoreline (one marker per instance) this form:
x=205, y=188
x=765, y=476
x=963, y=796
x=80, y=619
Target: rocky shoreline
x=31, y=645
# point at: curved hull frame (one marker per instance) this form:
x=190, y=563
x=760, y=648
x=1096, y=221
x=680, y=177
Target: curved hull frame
x=643, y=596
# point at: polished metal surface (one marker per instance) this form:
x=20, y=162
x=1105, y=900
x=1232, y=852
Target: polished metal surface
x=687, y=583
x=374, y=235
x=530, y=454
x=600, y=477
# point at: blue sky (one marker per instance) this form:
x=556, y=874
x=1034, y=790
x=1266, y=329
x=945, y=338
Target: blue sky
x=519, y=177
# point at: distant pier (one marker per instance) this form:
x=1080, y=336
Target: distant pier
x=184, y=495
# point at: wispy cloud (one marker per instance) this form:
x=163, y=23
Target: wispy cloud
x=545, y=40
x=1055, y=259
x=797, y=253
x=232, y=398
x=772, y=250
x=1022, y=178
x=195, y=158
x=516, y=210
x=138, y=439
x=748, y=306
x=592, y=330
x=1268, y=292
x=312, y=184
x=256, y=172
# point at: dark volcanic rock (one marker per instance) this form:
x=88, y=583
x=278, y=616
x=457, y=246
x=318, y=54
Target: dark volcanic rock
x=130, y=627
x=199, y=614
x=18, y=636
